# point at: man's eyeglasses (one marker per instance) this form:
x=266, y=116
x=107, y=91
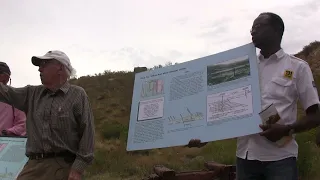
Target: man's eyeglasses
x=45, y=62
x=258, y=26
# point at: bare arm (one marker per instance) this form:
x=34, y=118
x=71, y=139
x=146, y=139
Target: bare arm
x=309, y=99
x=85, y=119
x=15, y=96
x=308, y=122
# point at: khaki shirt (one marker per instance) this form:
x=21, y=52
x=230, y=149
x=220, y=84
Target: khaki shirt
x=57, y=121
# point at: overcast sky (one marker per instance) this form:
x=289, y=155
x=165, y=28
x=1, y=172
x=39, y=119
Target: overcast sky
x=101, y=35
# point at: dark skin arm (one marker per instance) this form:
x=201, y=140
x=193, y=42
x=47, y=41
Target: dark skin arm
x=310, y=121
x=196, y=143
x=274, y=132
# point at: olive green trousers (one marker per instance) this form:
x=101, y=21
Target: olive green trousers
x=45, y=169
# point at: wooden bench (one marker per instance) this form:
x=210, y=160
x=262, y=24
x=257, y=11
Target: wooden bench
x=213, y=171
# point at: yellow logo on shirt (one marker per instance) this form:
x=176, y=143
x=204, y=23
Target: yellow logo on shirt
x=288, y=74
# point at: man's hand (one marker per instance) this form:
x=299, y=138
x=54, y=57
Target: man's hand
x=274, y=132
x=6, y=133
x=74, y=175
x=196, y=143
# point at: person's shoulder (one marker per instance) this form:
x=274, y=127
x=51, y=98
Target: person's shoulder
x=79, y=93
x=298, y=61
x=78, y=89
x=300, y=66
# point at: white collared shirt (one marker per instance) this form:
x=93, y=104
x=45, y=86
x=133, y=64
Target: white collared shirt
x=283, y=91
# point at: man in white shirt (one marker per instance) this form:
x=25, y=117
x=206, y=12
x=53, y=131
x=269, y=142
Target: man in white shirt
x=284, y=79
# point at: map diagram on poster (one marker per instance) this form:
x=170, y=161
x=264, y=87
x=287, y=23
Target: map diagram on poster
x=210, y=98
x=234, y=103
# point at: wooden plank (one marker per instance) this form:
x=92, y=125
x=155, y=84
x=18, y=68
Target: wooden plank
x=213, y=170
x=163, y=171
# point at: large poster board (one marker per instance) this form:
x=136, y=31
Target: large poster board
x=12, y=156
x=211, y=98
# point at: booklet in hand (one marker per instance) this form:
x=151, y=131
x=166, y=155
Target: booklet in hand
x=270, y=116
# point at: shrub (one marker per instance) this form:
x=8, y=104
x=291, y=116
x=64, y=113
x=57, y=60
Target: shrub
x=112, y=130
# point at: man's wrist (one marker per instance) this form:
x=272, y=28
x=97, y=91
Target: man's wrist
x=7, y=132
x=4, y=132
x=290, y=130
x=79, y=166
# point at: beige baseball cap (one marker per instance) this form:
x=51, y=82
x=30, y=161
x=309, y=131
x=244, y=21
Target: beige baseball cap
x=57, y=55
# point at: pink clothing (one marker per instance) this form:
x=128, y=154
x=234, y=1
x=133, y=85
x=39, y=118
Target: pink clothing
x=13, y=122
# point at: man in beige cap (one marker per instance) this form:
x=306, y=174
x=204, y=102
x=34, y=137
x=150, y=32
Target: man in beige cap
x=60, y=124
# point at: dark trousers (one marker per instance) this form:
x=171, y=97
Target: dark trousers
x=285, y=169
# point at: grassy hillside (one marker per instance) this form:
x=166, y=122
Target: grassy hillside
x=111, y=93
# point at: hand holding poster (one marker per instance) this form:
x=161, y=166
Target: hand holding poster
x=211, y=98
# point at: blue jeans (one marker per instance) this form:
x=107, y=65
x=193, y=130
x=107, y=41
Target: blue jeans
x=285, y=169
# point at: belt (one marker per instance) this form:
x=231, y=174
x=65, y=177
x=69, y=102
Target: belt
x=65, y=154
